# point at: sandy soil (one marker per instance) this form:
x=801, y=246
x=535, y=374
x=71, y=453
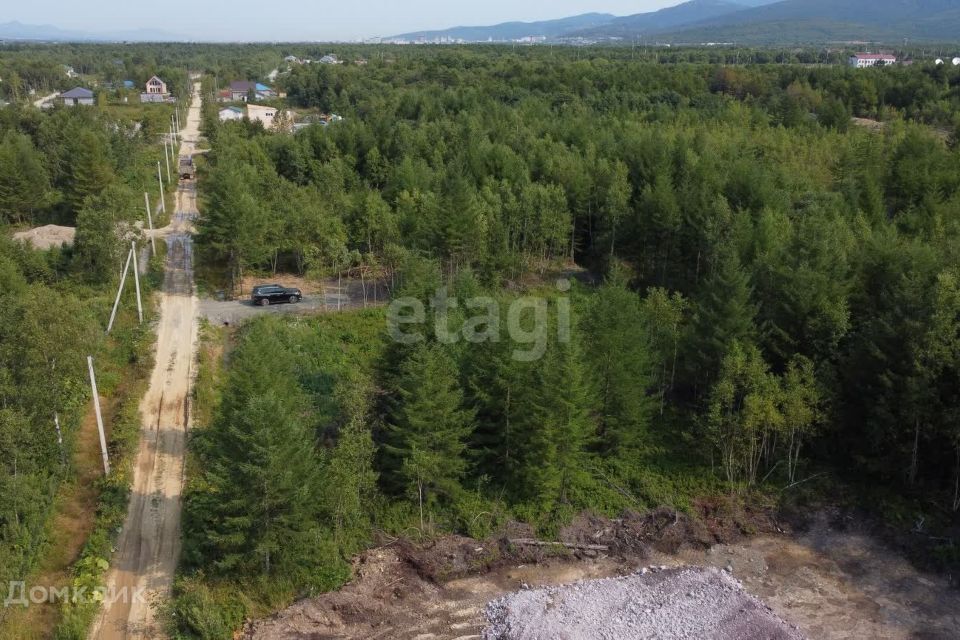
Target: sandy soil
x=47, y=237
x=149, y=545
x=834, y=581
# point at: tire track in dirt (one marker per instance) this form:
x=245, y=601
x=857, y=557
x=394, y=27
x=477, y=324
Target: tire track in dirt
x=148, y=548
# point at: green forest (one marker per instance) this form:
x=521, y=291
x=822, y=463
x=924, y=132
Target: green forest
x=86, y=169
x=738, y=267
x=766, y=295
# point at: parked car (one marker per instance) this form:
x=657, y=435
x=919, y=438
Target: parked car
x=267, y=294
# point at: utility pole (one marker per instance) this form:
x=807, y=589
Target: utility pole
x=136, y=279
x=116, y=303
x=56, y=424
x=166, y=157
x=153, y=241
x=163, y=201
x=96, y=408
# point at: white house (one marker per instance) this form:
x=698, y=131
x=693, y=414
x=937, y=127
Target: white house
x=231, y=113
x=863, y=60
x=267, y=115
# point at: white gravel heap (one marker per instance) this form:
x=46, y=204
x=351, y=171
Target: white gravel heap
x=689, y=603
x=47, y=237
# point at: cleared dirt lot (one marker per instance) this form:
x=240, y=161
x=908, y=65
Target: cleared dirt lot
x=832, y=580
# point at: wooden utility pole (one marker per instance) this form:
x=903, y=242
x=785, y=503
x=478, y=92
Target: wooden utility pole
x=166, y=157
x=153, y=241
x=136, y=279
x=163, y=201
x=96, y=409
x=116, y=303
x=56, y=424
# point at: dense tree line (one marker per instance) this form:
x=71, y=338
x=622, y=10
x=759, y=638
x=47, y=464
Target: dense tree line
x=801, y=253
x=775, y=294
x=81, y=168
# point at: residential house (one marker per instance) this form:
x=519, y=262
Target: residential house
x=863, y=60
x=240, y=90
x=76, y=96
x=330, y=59
x=155, y=90
x=156, y=86
x=267, y=116
x=231, y=113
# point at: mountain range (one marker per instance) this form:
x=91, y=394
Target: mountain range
x=48, y=33
x=743, y=21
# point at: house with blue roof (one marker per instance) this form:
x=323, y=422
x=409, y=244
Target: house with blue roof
x=240, y=90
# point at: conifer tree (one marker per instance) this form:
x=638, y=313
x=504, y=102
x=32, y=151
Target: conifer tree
x=556, y=413
x=265, y=481
x=618, y=352
x=429, y=427
x=723, y=314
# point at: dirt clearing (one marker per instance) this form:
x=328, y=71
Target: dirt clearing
x=833, y=580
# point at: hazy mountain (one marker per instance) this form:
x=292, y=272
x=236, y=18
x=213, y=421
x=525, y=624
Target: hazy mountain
x=680, y=15
x=829, y=20
x=515, y=30
x=48, y=33
x=756, y=21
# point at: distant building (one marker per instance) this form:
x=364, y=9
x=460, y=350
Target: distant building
x=155, y=91
x=267, y=116
x=231, y=113
x=76, y=97
x=156, y=86
x=240, y=90
x=330, y=59
x=863, y=60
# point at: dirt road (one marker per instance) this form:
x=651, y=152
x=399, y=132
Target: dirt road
x=149, y=545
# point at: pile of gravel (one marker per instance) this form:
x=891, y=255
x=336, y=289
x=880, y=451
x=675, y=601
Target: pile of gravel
x=47, y=237
x=689, y=603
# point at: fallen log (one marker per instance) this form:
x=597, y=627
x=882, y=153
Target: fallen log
x=529, y=542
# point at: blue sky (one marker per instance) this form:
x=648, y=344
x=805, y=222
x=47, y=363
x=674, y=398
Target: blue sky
x=300, y=19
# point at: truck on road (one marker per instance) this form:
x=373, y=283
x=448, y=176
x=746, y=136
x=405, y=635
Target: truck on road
x=187, y=170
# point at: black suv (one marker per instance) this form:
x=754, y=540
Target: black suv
x=268, y=294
